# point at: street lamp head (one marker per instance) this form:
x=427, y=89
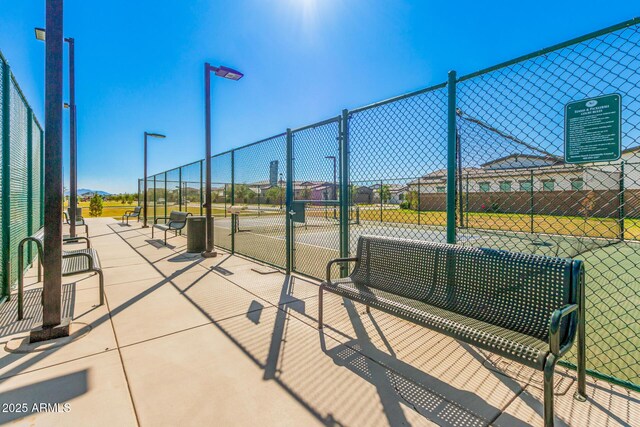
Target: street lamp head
x=65, y=105
x=40, y=34
x=228, y=73
x=155, y=135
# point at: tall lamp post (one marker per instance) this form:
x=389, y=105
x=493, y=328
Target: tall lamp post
x=146, y=135
x=41, y=35
x=230, y=74
x=334, y=192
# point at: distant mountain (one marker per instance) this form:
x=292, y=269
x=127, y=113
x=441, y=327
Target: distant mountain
x=87, y=191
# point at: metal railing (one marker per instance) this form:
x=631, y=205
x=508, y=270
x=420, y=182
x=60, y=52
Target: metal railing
x=477, y=160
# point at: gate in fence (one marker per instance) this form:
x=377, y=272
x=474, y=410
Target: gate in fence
x=478, y=160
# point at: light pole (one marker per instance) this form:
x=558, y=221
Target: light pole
x=41, y=35
x=152, y=135
x=334, y=192
x=230, y=74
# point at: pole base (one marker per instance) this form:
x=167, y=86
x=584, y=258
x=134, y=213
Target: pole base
x=43, y=333
x=209, y=254
x=145, y=226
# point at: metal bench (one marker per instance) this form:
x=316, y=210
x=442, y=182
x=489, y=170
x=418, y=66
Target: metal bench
x=526, y=308
x=74, y=262
x=135, y=213
x=176, y=221
x=79, y=219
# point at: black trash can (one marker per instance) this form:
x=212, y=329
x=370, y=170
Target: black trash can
x=196, y=233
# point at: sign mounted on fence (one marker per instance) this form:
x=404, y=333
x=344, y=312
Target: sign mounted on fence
x=592, y=131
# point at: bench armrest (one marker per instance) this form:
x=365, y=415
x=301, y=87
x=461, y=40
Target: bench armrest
x=155, y=221
x=554, y=329
x=337, y=261
x=76, y=239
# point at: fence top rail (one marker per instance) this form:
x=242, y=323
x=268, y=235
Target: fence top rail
x=399, y=98
x=317, y=124
x=253, y=143
x=553, y=48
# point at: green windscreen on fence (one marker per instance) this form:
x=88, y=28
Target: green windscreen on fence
x=498, y=179
x=21, y=177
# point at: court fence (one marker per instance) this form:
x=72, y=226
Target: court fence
x=477, y=160
x=21, y=169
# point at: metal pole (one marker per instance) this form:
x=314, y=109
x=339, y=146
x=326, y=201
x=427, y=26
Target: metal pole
x=144, y=222
x=335, y=190
x=344, y=190
x=381, y=200
x=451, y=160
x=532, y=207
x=155, y=199
x=621, y=207
x=52, y=285
x=467, y=202
x=5, y=286
x=418, y=202
x=180, y=189
x=288, y=202
x=200, y=187
x=165, y=194
x=30, y=229
x=234, y=217
x=209, y=252
x=73, y=156
x=459, y=176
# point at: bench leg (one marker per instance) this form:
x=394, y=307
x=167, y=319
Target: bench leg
x=165, y=237
x=368, y=309
x=549, y=367
x=86, y=230
x=39, y=268
x=581, y=393
x=320, y=308
x=101, y=277
x=152, y=228
x=20, y=283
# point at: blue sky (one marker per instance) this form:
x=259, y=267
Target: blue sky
x=139, y=64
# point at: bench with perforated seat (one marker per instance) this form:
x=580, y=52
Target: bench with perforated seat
x=77, y=261
x=175, y=222
x=135, y=213
x=527, y=308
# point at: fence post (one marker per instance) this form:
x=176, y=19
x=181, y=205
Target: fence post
x=466, y=210
x=621, y=207
x=180, y=188
x=344, y=190
x=41, y=177
x=380, y=194
x=6, y=175
x=233, y=202
x=155, y=214
x=201, y=200
x=451, y=159
x=165, y=194
x=288, y=203
x=532, y=206
x=29, y=179
x=418, y=201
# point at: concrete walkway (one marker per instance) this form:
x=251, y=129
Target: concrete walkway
x=187, y=341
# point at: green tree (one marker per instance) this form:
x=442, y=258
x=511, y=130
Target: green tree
x=274, y=195
x=244, y=193
x=130, y=198
x=385, y=193
x=95, y=206
x=412, y=199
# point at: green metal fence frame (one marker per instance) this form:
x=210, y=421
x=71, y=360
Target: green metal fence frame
x=456, y=205
x=30, y=127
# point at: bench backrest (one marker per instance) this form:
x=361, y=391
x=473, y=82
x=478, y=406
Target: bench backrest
x=178, y=219
x=78, y=212
x=136, y=210
x=511, y=290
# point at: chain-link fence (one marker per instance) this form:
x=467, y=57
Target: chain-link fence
x=479, y=160
x=21, y=169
